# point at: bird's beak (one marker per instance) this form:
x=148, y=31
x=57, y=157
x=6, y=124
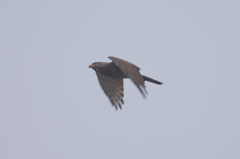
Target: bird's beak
x=91, y=66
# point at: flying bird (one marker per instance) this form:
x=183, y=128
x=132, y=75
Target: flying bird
x=111, y=74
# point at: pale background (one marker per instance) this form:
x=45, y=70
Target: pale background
x=51, y=104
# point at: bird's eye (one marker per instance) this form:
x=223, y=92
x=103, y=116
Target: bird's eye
x=95, y=64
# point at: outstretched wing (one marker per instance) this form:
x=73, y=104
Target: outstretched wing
x=131, y=71
x=113, y=88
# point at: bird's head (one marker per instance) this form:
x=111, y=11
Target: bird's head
x=98, y=66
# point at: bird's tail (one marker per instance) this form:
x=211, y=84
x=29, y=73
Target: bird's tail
x=145, y=78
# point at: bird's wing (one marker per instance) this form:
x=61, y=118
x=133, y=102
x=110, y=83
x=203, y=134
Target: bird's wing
x=113, y=88
x=131, y=71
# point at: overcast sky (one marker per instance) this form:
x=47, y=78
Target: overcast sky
x=52, y=106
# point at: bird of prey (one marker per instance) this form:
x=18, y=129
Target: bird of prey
x=111, y=74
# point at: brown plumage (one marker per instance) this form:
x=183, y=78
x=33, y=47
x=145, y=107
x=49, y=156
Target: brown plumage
x=111, y=75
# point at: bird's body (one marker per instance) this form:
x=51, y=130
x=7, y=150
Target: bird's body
x=110, y=70
x=111, y=75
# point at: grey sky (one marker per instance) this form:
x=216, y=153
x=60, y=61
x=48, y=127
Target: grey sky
x=51, y=104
